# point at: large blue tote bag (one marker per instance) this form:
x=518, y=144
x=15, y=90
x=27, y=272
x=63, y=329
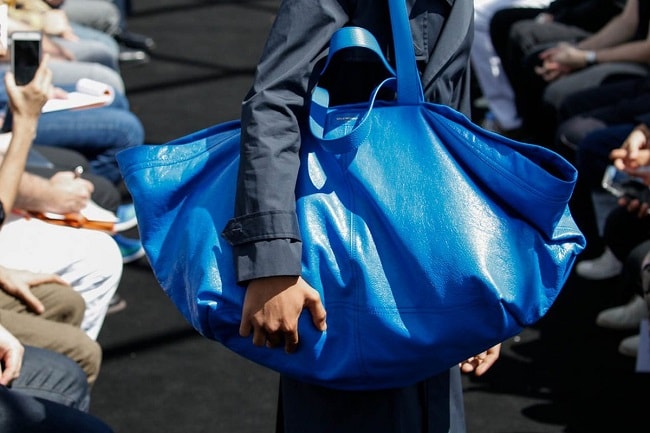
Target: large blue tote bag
x=428, y=238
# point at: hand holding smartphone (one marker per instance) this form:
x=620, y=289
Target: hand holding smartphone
x=621, y=184
x=25, y=55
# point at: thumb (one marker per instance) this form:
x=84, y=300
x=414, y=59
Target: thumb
x=10, y=82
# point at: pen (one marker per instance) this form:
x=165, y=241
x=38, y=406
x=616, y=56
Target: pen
x=78, y=171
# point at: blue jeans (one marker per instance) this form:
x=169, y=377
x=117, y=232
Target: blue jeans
x=50, y=396
x=92, y=46
x=51, y=376
x=97, y=133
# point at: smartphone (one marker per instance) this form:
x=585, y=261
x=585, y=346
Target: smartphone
x=620, y=184
x=25, y=55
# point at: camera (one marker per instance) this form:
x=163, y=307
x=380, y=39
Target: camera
x=25, y=55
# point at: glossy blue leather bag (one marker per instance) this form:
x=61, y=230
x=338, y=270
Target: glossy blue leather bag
x=428, y=238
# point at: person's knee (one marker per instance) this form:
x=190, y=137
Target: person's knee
x=88, y=354
x=127, y=128
x=571, y=132
x=72, y=304
x=62, y=304
x=74, y=343
x=107, y=75
x=104, y=250
x=53, y=376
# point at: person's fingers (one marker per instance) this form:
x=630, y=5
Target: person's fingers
x=245, y=327
x=259, y=337
x=90, y=187
x=33, y=303
x=486, y=362
x=317, y=311
x=643, y=210
x=39, y=279
x=12, y=364
x=291, y=341
x=10, y=83
x=468, y=365
x=633, y=205
x=5, y=376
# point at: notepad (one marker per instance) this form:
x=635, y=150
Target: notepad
x=88, y=94
x=92, y=212
x=91, y=217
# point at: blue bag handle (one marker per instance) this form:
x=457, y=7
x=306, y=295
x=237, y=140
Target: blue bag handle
x=349, y=37
x=409, y=86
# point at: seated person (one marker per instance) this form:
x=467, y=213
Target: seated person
x=42, y=392
x=42, y=310
x=89, y=260
x=619, y=48
x=629, y=239
x=62, y=38
x=96, y=133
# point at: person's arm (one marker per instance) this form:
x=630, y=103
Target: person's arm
x=25, y=103
x=265, y=233
x=619, y=29
x=62, y=193
x=613, y=43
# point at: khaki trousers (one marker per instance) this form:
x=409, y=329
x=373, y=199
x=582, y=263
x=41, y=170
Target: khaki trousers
x=57, y=329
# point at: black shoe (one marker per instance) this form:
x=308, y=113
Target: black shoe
x=116, y=305
x=133, y=57
x=135, y=41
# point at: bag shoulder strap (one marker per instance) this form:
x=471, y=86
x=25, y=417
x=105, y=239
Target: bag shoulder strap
x=409, y=85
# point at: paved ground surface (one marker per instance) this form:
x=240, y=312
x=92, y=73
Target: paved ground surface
x=160, y=376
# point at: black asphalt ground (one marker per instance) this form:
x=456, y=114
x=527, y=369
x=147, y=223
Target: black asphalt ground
x=159, y=376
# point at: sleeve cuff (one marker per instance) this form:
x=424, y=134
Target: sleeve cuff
x=267, y=259
x=262, y=226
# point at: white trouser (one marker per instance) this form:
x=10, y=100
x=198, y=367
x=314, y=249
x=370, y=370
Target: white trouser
x=487, y=65
x=89, y=260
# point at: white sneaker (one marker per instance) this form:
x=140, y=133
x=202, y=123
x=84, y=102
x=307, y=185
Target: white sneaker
x=601, y=268
x=629, y=346
x=628, y=316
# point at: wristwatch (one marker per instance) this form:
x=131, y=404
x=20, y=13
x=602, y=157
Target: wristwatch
x=590, y=58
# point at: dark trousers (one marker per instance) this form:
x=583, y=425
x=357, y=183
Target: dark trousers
x=592, y=158
x=50, y=396
x=434, y=405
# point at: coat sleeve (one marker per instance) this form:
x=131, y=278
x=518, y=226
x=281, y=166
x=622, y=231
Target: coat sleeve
x=264, y=232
